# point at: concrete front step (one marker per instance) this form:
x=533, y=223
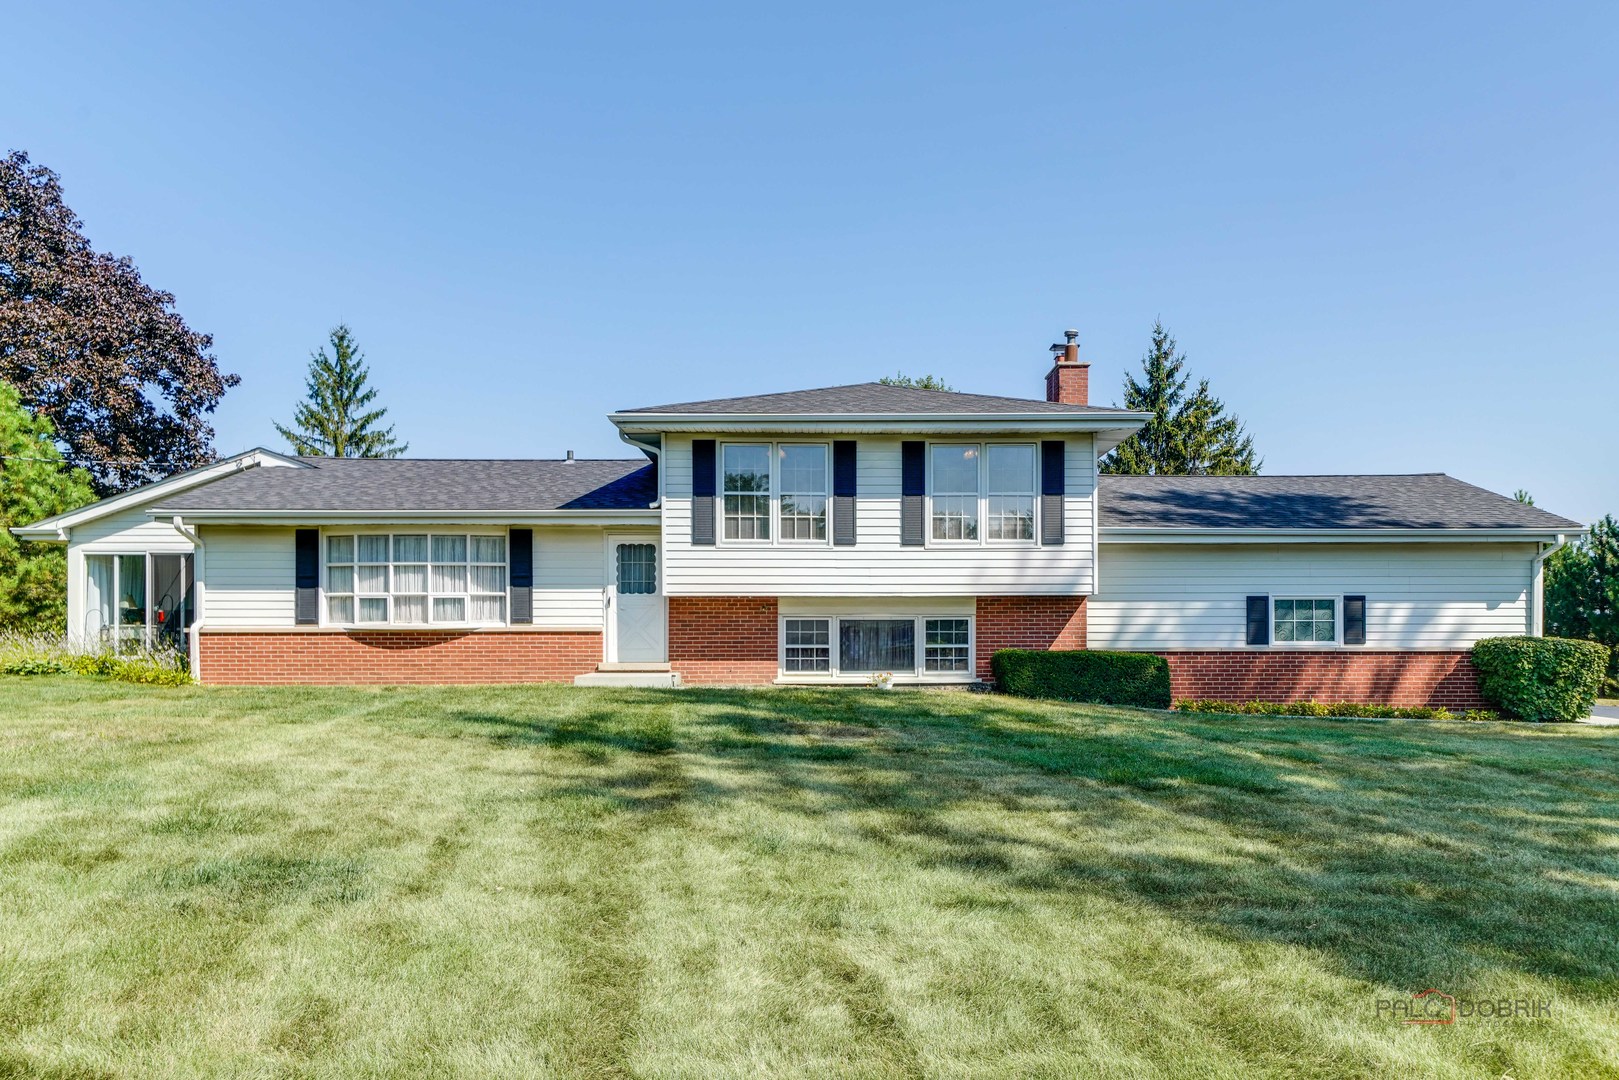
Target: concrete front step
x=656, y=679
x=641, y=667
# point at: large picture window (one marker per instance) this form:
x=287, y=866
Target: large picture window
x=856, y=646
x=415, y=579
x=982, y=492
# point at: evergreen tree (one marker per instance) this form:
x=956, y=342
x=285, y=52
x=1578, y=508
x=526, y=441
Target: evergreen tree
x=1190, y=433
x=333, y=422
x=1582, y=591
x=926, y=382
x=1524, y=497
x=34, y=483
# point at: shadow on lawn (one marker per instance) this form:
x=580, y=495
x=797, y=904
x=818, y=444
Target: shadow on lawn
x=1417, y=855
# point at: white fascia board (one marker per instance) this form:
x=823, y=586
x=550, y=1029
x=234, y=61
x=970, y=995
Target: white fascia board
x=1117, y=535
x=1123, y=423
x=55, y=529
x=410, y=517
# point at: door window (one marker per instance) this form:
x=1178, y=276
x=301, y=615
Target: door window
x=637, y=569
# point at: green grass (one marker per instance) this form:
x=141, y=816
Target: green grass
x=557, y=882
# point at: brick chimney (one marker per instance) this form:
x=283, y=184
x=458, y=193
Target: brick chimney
x=1069, y=380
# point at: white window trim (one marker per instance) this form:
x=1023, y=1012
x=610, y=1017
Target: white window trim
x=1337, y=622
x=776, y=539
x=917, y=675
x=983, y=539
x=411, y=530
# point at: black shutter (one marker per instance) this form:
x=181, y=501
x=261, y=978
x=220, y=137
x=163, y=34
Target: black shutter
x=913, y=474
x=1052, y=490
x=1259, y=620
x=843, y=493
x=702, y=492
x=1354, y=620
x=521, y=547
x=306, y=571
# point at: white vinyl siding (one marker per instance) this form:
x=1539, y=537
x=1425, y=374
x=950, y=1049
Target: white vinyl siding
x=1418, y=596
x=247, y=576
x=877, y=565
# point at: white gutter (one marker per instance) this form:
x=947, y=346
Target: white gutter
x=405, y=517
x=1122, y=535
x=1537, y=586
x=194, y=645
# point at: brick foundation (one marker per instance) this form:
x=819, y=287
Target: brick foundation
x=1028, y=622
x=1432, y=679
x=396, y=656
x=723, y=640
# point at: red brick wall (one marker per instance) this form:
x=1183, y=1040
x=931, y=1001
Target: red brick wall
x=1028, y=622
x=723, y=640
x=1384, y=678
x=397, y=656
x=1069, y=383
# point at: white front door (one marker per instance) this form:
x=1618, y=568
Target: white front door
x=636, y=623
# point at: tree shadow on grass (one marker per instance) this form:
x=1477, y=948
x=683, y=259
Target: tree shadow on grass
x=1414, y=854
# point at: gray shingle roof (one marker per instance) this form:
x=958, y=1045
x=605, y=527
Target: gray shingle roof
x=338, y=484
x=1417, y=501
x=868, y=399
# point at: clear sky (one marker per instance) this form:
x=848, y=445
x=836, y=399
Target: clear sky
x=1386, y=232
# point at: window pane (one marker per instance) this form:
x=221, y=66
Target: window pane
x=410, y=547
x=747, y=468
x=132, y=590
x=955, y=470
x=449, y=549
x=747, y=517
x=340, y=579
x=803, y=517
x=410, y=578
x=1011, y=517
x=101, y=601
x=876, y=645
x=410, y=609
x=489, y=549
x=946, y=648
x=637, y=569
x=488, y=609
x=373, y=611
x=1011, y=469
x=372, y=579
x=803, y=469
x=373, y=549
x=449, y=609
x=488, y=579
x=449, y=579
x=340, y=549
x=955, y=517
x=340, y=609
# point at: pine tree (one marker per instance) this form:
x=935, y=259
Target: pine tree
x=331, y=422
x=1189, y=433
x=925, y=382
x=1524, y=497
x=34, y=484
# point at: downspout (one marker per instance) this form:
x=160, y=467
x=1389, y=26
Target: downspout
x=1537, y=586
x=194, y=643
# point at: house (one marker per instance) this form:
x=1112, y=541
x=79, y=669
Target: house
x=814, y=536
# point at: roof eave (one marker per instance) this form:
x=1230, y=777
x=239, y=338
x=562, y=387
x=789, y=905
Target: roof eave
x=635, y=516
x=1138, y=535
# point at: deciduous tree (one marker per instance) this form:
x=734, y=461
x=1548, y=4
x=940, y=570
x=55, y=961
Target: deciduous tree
x=127, y=385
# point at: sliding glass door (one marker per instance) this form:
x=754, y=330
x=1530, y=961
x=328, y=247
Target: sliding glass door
x=136, y=602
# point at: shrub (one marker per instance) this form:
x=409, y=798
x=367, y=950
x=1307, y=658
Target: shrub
x=1336, y=708
x=24, y=654
x=1103, y=678
x=1541, y=678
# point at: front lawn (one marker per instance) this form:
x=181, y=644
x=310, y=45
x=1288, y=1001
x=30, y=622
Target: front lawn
x=557, y=882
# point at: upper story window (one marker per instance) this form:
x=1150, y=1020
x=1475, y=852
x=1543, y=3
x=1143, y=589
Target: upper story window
x=803, y=490
x=415, y=579
x=973, y=483
x=778, y=490
x=745, y=472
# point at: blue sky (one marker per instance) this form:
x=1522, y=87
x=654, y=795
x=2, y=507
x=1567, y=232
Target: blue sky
x=1386, y=233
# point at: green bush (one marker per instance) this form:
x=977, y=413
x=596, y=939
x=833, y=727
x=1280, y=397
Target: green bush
x=1103, y=678
x=33, y=654
x=1335, y=708
x=35, y=665
x=1541, y=678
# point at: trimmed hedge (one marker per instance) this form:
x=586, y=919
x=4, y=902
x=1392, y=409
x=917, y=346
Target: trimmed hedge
x=1541, y=678
x=1101, y=678
x=1333, y=708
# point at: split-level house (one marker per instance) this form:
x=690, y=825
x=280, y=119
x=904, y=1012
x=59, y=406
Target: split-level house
x=813, y=536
